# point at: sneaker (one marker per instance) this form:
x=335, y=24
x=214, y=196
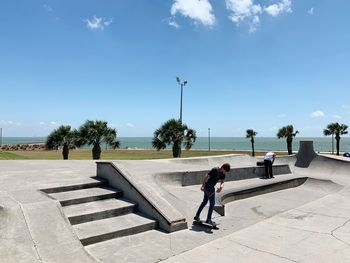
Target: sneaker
x=197, y=219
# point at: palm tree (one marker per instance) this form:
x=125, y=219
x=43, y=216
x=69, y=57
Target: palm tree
x=96, y=132
x=337, y=130
x=176, y=133
x=62, y=136
x=250, y=134
x=288, y=133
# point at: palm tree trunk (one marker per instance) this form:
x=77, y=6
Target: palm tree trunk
x=65, y=151
x=337, y=138
x=177, y=149
x=253, y=152
x=96, y=152
x=289, y=146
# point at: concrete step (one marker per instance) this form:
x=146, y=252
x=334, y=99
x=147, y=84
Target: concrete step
x=91, y=211
x=89, y=182
x=105, y=229
x=85, y=195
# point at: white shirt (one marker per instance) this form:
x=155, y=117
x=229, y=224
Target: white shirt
x=269, y=156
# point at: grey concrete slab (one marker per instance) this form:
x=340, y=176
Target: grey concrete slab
x=104, y=229
x=309, y=223
x=84, y=195
x=32, y=227
x=281, y=243
x=16, y=243
x=44, y=231
x=95, y=207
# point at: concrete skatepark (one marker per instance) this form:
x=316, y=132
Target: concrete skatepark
x=142, y=211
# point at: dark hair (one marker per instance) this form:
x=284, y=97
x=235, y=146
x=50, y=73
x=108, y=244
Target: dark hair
x=226, y=167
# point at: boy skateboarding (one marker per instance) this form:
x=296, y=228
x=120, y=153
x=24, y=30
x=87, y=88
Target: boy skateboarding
x=208, y=187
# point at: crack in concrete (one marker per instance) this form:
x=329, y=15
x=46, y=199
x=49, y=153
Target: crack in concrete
x=172, y=251
x=316, y=232
x=26, y=222
x=263, y=251
x=333, y=235
x=30, y=234
x=171, y=246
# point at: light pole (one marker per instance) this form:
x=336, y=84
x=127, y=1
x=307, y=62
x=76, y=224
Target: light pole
x=182, y=84
x=209, y=139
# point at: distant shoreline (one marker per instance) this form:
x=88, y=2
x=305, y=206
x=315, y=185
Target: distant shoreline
x=321, y=144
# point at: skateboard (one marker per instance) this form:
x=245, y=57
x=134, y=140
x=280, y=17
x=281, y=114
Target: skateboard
x=204, y=224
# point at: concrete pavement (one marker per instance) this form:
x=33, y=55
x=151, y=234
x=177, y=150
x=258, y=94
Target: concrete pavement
x=309, y=223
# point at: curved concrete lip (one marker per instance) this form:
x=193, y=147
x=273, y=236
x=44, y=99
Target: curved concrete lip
x=232, y=195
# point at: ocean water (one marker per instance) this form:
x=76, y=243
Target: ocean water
x=321, y=144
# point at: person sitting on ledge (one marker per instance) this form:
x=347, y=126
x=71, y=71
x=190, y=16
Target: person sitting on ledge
x=208, y=187
x=269, y=159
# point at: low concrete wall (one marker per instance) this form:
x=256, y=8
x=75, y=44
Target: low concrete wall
x=228, y=197
x=130, y=190
x=196, y=177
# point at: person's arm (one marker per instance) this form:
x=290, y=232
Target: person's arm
x=205, y=180
x=273, y=158
x=221, y=186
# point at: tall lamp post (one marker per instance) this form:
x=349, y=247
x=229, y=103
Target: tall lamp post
x=182, y=84
x=209, y=139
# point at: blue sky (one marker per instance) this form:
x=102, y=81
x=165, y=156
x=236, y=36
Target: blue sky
x=258, y=64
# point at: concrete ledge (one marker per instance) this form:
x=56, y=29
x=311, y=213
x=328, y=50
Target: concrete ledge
x=188, y=178
x=133, y=192
x=92, y=182
x=230, y=196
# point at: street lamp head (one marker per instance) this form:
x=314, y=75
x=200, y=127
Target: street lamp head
x=178, y=80
x=185, y=82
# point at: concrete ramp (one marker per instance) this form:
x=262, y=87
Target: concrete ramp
x=326, y=186
x=255, y=189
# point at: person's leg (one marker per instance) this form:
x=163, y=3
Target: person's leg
x=211, y=205
x=266, y=168
x=270, y=169
x=203, y=204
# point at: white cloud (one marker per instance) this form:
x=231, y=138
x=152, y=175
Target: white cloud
x=311, y=11
x=48, y=124
x=10, y=123
x=244, y=10
x=281, y=115
x=98, y=23
x=198, y=10
x=48, y=8
x=130, y=125
x=250, y=11
x=347, y=107
x=282, y=7
x=172, y=22
x=317, y=114
x=337, y=116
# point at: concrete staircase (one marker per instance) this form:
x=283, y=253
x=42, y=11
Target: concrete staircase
x=98, y=212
